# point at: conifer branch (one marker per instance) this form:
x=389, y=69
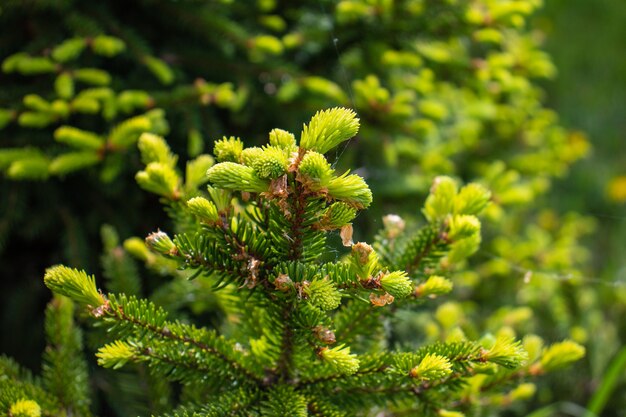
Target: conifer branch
x=175, y=332
x=428, y=241
x=260, y=233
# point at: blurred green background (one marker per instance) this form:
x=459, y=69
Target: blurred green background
x=587, y=42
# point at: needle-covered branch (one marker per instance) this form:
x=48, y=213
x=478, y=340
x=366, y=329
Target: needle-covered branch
x=304, y=332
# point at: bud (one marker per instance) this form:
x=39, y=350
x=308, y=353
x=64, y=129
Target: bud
x=346, y=235
x=350, y=188
x=130, y=100
x=127, y=132
x=92, y=76
x=85, y=105
x=28, y=65
x=249, y=155
x=64, y=85
x=340, y=358
x=472, y=199
x=321, y=86
x=195, y=142
x=36, y=102
x=397, y=283
x=394, y=225
x=159, y=69
x=107, y=45
x=68, y=50
x=159, y=179
x=363, y=260
x=282, y=139
x=74, y=284
x=506, y=352
x=328, y=128
x=154, y=148
x=560, y=355
x=161, y=243
x=270, y=163
x=324, y=335
x=283, y=283
x=265, y=45
x=73, y=161
x=32, y=167
x=432, y=367
x=523, y=392
x=337, y=215
x=25, y=408
x=449, y=314
x=434, y=285
x=316, y=170
x=203, y=209
x=440, y=201
x=533, y=344
x=225, y=96
x=463, y=226
x=115, y=355
x=6, y=116
x=228, y=149
x=35, y=120
x=323, y=294
x=78, y=138
x=381, y=300
x=448, y=413
x=232, y=176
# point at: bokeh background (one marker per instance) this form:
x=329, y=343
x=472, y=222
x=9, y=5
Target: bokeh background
x=587, y=43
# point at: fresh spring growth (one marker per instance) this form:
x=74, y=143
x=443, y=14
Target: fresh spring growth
x=161, y=243
x=340, y=358
x=282, y=139
x=74, y=284
x=449, y=413
x=271, y=162
x=351, y=189
x=445, y=198
x=337, y=215
x=160, y=179
x=236, y=177
x=323, y=294
x=203, y=209
x=315, y=168
x=328, y=128
x=153, y=148
x=440, y=201
x=363, y=260
x=435, y=285
x=397, y=283
x=463, y=226
x=115, y=355
x=432, y=367
x=25, y=408
x=560, y=355
x=472, y=199
x=506, y=352
x=78, y=138
x=228, y=149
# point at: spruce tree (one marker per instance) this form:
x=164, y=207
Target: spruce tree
x=307, y=330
